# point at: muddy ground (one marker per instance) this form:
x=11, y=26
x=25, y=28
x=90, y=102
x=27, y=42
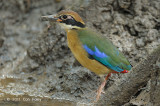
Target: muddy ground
x=36, y=62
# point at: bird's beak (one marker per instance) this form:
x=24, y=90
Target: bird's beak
x=51, y=18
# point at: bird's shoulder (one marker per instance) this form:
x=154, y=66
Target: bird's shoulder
x=91, y=38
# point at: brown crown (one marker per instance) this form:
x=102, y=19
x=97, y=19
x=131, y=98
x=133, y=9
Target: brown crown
x=71, y=13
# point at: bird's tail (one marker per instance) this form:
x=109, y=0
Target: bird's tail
x=124, y=71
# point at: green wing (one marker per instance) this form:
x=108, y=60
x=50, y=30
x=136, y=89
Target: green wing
x=102, y=50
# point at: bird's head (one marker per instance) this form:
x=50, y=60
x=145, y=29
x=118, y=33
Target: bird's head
x=67, y=19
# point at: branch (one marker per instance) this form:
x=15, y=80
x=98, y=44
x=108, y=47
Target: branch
x=122, y=90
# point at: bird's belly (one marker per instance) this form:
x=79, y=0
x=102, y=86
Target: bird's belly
x=82, y=56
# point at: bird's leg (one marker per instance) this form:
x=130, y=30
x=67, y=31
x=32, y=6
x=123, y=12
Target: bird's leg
x=100, y=89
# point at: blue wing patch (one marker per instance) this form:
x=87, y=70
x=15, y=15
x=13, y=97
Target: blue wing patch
x=89, y=51
x=96, y=52
x=103, y=58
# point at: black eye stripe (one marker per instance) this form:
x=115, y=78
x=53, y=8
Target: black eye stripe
x=73, y=23
x=70, y=21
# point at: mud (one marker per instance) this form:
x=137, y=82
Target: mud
x=36, y=62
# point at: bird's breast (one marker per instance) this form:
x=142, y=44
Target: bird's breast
x=82, y=56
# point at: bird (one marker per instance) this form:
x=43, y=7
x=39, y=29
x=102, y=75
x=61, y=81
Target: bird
x=90, y=48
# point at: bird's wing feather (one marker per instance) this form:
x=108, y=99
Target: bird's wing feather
x=102, y=50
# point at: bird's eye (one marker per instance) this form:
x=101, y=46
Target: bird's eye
x=64, y=16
